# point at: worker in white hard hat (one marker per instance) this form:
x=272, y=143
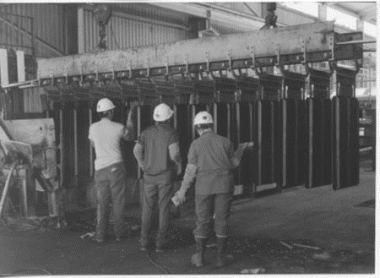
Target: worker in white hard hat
x=158, y=155
x=110, y=176
x=211, y=159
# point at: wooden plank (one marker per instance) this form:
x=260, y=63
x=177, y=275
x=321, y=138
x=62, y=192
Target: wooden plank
x=260, y=43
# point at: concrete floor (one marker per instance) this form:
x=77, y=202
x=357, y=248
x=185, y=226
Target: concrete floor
x=320, y=218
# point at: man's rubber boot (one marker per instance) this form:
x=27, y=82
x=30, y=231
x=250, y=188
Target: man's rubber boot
x=222, y=241
x=198, y=258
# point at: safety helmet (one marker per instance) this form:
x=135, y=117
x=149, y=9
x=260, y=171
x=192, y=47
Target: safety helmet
x=104, y=104
x=162, y=112
x=203, y=117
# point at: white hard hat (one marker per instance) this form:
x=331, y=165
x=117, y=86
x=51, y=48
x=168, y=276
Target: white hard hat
x=203, y=117
x=104, y=104
x=162, y=112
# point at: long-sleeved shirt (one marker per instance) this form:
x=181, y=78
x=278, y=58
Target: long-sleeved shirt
x=212, y=155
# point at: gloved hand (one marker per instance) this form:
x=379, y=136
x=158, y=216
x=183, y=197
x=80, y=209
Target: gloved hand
x=180, y=195
x=246, y=145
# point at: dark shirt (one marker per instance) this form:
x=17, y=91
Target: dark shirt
x=211, y=154
x=155, y=141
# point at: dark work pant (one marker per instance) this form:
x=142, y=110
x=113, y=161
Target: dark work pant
x=206, y=206
x=153, y=193
x=110, y=184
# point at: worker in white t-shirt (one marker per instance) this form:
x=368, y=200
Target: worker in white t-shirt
x=110, y=176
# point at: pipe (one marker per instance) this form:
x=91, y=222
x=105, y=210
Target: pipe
x=6, y=187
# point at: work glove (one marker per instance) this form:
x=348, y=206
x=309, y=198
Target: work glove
x=180, y=195
x=246, y=145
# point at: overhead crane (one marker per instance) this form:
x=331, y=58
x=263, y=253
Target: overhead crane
x=302, y=135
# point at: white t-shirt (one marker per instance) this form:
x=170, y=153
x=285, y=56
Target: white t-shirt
x=106, y=136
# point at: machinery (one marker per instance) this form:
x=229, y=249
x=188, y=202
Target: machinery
x=303, y=134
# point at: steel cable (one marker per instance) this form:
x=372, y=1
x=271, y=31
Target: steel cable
x=156, y=264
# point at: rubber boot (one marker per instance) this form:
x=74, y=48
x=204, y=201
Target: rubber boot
x=198, y=258
x=221, y=258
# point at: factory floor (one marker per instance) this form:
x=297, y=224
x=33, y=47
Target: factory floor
x=308, y=231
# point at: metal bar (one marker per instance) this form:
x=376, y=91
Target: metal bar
x=264, y=41
x=138, y=135
x=22, y=85
x=284, y=145
x=349, y=150
x=251, y=121
x=259, y=141
x=337, y=154
x=273, y=135
x=238, y=139
x=6, y=187
x=91, y=152
x=24, y=194
x=311, y=143
x=61, y=145
x=356, y=42
x=296, y=169
x=175, y=120
x=193, y=112
x=229, y=133
x=215, y=106
x=75, y=116
x=323, y=141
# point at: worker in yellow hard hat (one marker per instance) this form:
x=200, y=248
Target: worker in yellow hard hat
x=110, y=173
x=211, y=159
x=157, y=153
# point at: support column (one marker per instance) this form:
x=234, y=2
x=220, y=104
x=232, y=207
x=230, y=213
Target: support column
x=81, y=37
x=360, y=25
x=322, y=12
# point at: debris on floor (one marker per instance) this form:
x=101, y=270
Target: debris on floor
x=306, y=246
x=253, y=271
x=286, y=245
x=324, y=256
x=87, y=235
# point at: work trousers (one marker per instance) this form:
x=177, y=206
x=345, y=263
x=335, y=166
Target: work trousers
x=208, y=206
x=110, y=185
x=160, y=193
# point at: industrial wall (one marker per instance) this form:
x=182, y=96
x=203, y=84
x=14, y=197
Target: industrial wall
x=140, y=25
x=19, y=22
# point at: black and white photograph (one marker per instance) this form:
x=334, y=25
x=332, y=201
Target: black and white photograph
x=188, y=138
